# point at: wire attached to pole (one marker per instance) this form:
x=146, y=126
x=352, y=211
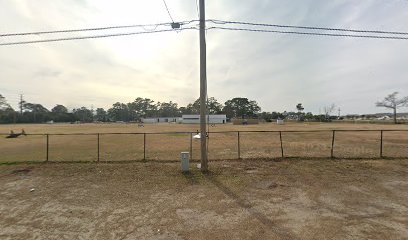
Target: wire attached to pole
x=92, y=36
x=164, y=1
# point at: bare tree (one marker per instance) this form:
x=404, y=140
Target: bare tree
x=328, y=110
x=391, y=101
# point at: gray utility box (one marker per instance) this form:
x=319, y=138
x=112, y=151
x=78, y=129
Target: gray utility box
x=185, y=161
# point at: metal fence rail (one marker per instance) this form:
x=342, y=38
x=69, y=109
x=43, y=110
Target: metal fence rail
x=232, y=138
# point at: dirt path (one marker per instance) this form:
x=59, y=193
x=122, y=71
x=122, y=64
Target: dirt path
x=293, y=199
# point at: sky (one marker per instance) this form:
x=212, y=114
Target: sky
x=276, y=70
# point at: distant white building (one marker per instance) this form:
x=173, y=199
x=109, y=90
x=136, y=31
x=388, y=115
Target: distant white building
x=161, y=120
x=384, y=118
x=212, y=119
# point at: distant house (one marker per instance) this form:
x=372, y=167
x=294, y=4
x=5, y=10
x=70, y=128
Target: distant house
x=212, y=119
x=161, y=120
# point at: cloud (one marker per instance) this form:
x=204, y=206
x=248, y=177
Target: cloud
x=277, y=70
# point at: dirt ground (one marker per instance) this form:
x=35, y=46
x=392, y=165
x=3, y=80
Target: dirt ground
x=289, y=199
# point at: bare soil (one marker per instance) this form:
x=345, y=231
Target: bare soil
x=290, y=199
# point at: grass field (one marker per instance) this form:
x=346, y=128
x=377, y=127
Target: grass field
x=238, y=199
x=221, y=145
x=252, y=198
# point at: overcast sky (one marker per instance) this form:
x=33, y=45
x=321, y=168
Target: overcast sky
x=276, y=70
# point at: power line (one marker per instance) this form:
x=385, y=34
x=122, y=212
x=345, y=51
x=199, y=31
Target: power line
x=306, y=27
x=92, y=29
x=198, y=11
x=92, y=37
x=310, y=33
x=164, y=1
x=374, y=34
x=210, y=20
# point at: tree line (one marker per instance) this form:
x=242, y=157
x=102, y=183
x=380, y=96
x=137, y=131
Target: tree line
x=133, y=111
x=237, y=107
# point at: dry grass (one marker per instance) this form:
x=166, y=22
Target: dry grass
x=248, y=199
x=221, y=145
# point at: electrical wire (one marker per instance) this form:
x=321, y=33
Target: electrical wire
x=209, y=20
x=93, y=36
x=310, y=33
x=93, y=29
x=164, y=1
x=215, y=21
x=198, y=11
x=333, y=32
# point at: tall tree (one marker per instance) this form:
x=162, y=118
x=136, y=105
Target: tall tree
x=142, y=107
x=309, y=116
x=300, y=109
x=120, y=112
x=83, y=114
x=391, y=101
x=193, y=108
x=101, y=115
x=35, y=107
x=213, y=106
x=3, y=103
x=186, y=110
x=7, y=113
x=59, y=109
x=34, y=112
x=241, y=107
x=169, y=109
x=267, y=116
x=59, y=113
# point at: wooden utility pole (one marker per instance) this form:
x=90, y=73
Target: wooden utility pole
x=203, y=89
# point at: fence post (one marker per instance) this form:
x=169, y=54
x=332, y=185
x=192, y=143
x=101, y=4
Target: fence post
x=381, y=145
x=281, y=144
x=98, y=147
x=332, y=145
x=191, y=146
x=48, y=148
x=239, y=146
x=144, y=146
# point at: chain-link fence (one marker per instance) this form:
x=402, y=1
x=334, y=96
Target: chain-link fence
x=221, y=145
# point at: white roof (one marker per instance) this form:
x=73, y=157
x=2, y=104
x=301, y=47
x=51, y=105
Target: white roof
x=211, y=116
